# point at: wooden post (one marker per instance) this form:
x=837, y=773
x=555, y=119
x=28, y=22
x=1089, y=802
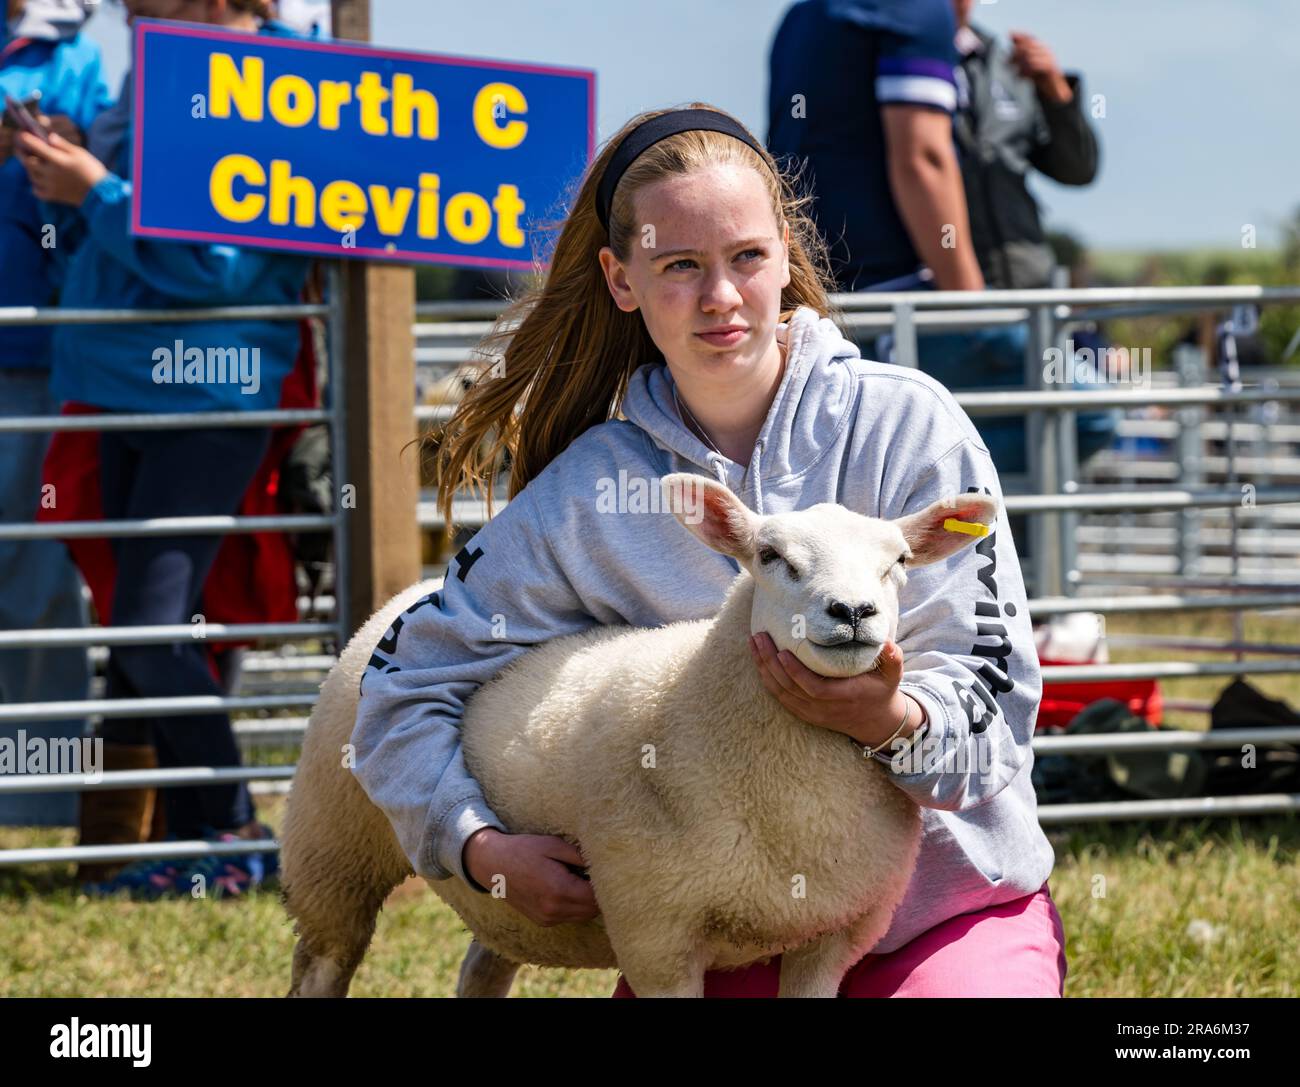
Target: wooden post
x=383, y=540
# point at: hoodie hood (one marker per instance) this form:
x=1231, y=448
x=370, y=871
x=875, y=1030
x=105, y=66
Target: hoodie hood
x=52, y=20
x=812, y=404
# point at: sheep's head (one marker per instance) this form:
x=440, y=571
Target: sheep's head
x=827, y=580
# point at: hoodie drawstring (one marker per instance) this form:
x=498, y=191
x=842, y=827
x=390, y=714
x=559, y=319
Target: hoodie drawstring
x=716, y=462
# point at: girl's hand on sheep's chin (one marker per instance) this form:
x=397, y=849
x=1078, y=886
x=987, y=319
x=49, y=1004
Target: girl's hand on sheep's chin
x=867, y=707
x=538, y=881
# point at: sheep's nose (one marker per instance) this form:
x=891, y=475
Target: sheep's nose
x=841, y=610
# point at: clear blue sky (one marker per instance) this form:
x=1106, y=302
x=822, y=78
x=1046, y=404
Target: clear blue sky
x=1200, y=134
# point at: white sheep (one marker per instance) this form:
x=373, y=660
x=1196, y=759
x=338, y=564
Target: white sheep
x=718, y=828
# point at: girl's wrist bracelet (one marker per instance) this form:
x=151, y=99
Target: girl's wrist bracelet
x=907, y=713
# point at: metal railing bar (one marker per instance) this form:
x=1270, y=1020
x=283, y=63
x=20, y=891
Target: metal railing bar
x=10, y=858
x=1175, y=740
x=183, y=706
x=56, y=638
x=168, y=526
x=1004, y=403
x=1206, y=297
x=162, y=421
x=1144, y=500
x=1044, y=607
x=53, y=315
x=180, y=777
x=1264, y=804
x=1098, y=673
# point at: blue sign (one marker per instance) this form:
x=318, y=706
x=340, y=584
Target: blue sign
x=351, y=151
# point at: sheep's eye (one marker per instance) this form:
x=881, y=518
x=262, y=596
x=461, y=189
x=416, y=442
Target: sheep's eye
x=770, y=554
x=902, y=560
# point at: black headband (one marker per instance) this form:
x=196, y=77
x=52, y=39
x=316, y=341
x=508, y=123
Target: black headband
x=648, y=133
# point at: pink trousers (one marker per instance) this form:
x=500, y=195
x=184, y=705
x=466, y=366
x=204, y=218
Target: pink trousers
x=1016, y=949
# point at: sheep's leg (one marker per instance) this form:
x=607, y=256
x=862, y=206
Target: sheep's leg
x=649, y=981
x=485, y=973
x=653, y=966
x=817, y=969
x=334, y=886
x=334, y=927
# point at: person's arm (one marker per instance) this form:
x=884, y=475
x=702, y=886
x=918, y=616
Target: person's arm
x=63, y=173
x=916, y=87
x=1066, y=149
x=926, y=183
x=968, y=651
x=197, y=273
x=504, y=591
x=1068, y=153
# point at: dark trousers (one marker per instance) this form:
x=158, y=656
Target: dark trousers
x=175, y=473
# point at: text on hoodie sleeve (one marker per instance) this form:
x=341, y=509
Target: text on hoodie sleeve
x=968, y=652
x=503, y=593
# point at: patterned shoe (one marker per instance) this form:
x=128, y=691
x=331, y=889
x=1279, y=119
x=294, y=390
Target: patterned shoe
x=141, y=879
x=230, y=876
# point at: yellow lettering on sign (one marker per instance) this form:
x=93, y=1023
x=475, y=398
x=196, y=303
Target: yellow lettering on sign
x=488, y=103
x=468, y=218
x=221, y=185
x=286, y=186
x=427, y=221
x=227, y=84
x=292, y=101
x=334, y=94
x=508, y=207
x=391, y=208
x=372, y=94
x=342, y=205
x=409, y=103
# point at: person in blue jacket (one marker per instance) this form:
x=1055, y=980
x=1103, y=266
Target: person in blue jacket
x=42, y=51
x=166, y=473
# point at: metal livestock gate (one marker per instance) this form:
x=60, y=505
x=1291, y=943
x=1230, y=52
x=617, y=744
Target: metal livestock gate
x=1054, y=498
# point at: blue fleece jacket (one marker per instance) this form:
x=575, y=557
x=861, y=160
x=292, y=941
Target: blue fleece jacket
x=879, y=439
x=119, y=366
x=65, y=67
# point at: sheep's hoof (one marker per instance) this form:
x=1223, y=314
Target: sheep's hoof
x=485, y=973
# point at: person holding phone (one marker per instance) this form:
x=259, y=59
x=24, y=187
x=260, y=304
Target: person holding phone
x=49, y=66
x=167, y=473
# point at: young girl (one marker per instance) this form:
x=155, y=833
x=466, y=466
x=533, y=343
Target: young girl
x=687, y=290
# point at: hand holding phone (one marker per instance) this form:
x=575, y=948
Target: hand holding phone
x=19, y=115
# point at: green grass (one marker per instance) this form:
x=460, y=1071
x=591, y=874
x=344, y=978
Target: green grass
x=1178, y=908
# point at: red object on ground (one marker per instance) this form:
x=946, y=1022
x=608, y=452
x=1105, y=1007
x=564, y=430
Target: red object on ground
x=252, y=579
x=1062, y=701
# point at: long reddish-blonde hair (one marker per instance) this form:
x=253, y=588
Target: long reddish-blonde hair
x=567, y=351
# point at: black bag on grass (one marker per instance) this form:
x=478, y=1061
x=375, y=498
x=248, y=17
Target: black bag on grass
x=1276, y=769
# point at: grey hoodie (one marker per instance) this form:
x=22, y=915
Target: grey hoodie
x=879, y=439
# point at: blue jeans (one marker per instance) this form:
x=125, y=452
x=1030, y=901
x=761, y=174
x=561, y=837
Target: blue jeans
x=175, y=473
x=39, y=588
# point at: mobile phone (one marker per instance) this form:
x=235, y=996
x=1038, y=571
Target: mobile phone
x=32, y=103
x=19, y=115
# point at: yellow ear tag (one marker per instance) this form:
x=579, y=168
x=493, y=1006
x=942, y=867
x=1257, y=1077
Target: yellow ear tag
x=971, y=528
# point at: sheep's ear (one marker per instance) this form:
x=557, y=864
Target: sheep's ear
x=711, y=512
x=926, y=536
